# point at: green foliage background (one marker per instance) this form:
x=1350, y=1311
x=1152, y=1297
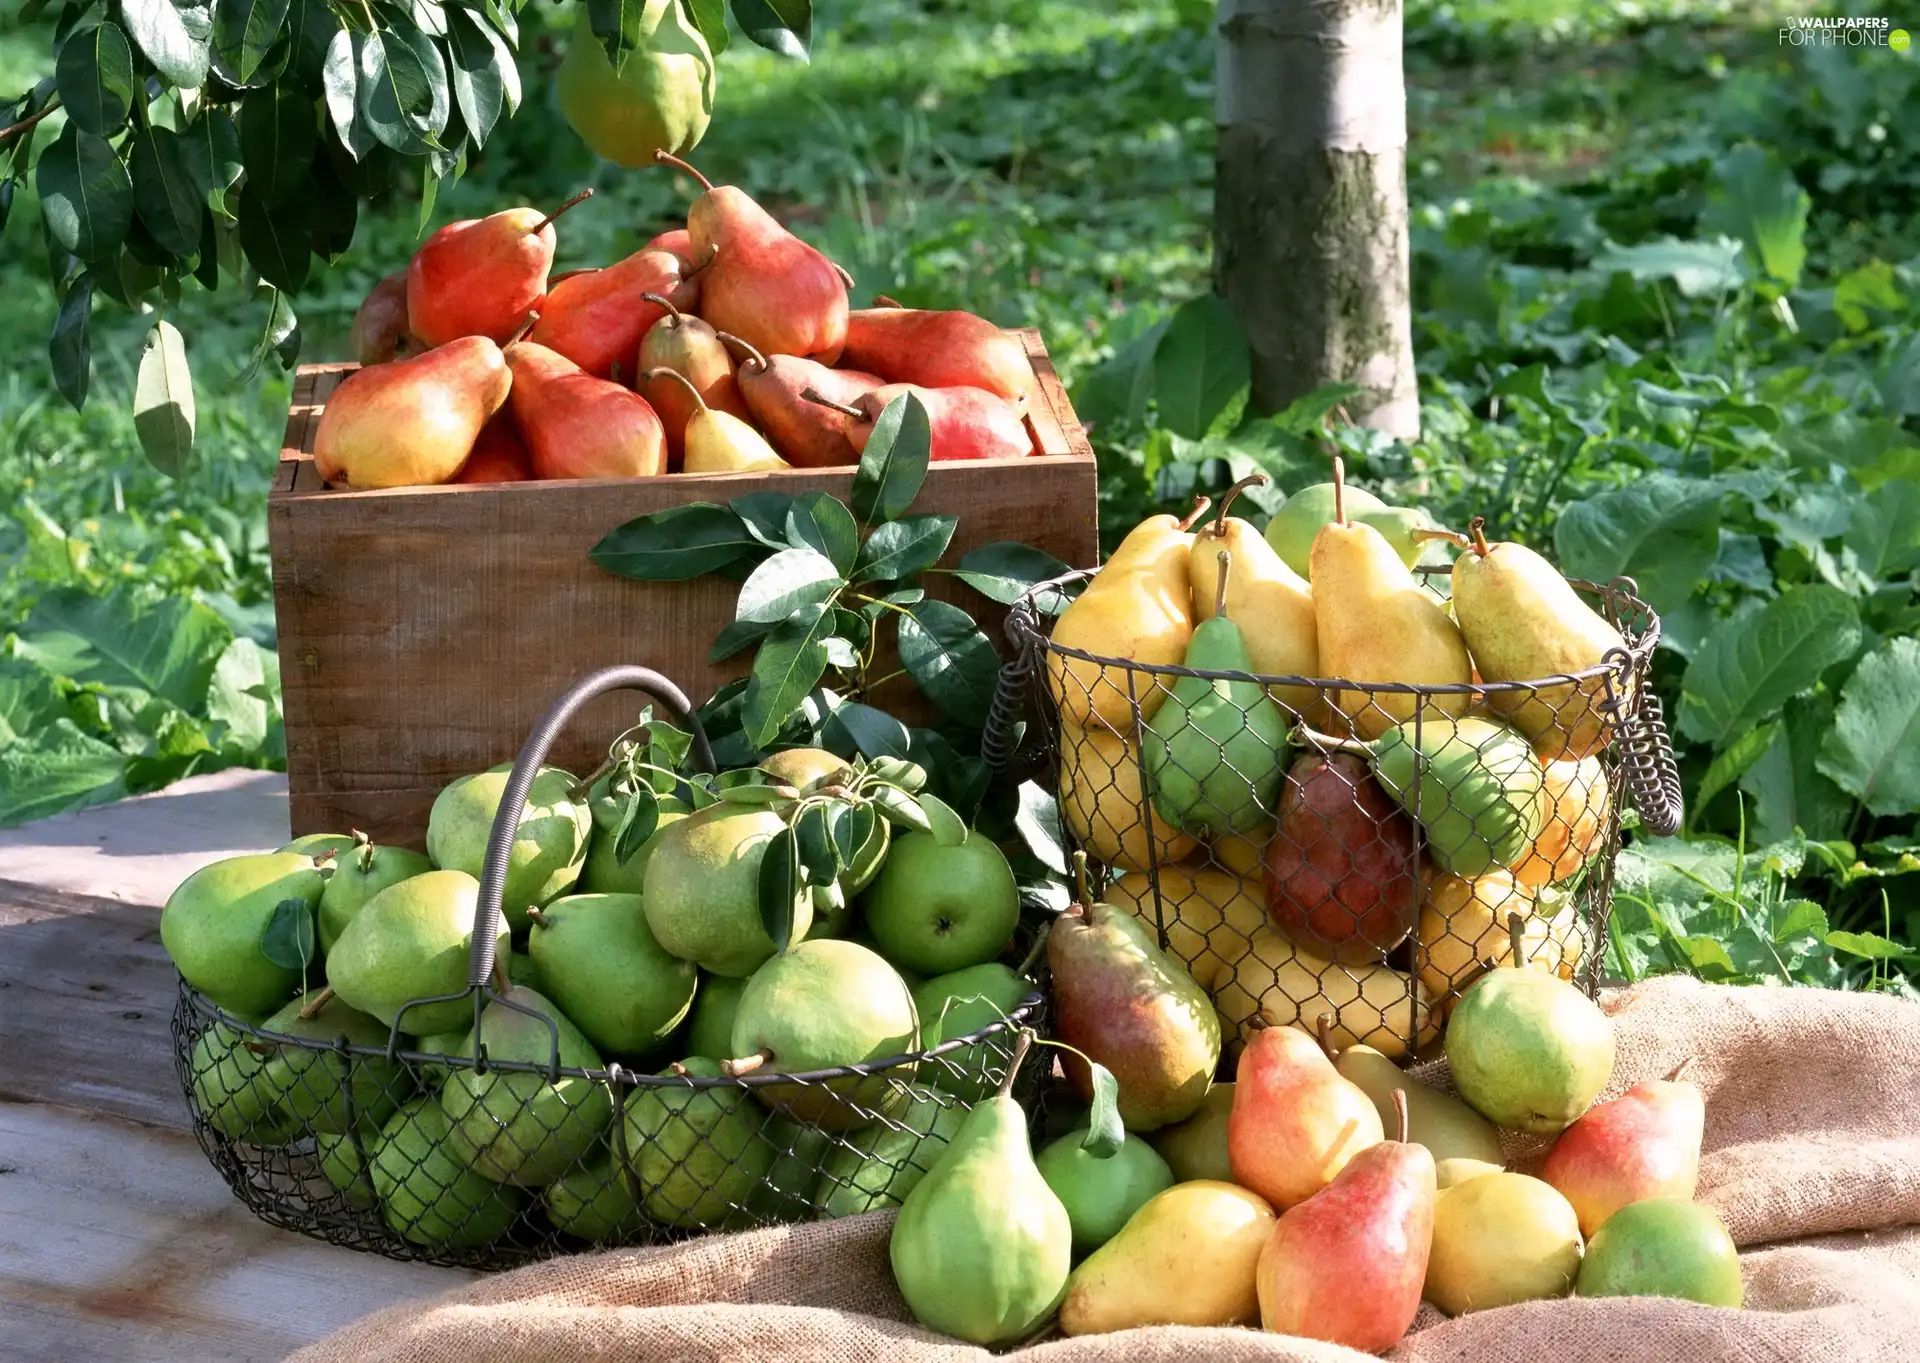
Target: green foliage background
x=1668, y=319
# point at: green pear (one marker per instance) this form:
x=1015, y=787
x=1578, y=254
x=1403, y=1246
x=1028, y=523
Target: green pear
x=1499, y=1239
x=935, y=909
x=597, y=959
x=961, y=1003
x=594, y=1201
x=604, y=872
x=878, y=1165
x=660, y=99
x=818, y=1005
x=341, y=1163
x=982, y=1247
x=517, y=1127
x=548, y=848
x=360, y=873
x=797, y=1155
x=698, y=1152
x=703, y=889
x=1663, y=1247
x=1294, y=525
x=710, y=1022
x=325, y=1091
x=1101, y=1192
x=1475, y=787
x=315, y=844
x=214, y=926
x=1214, y=753
x=1445, y=1125
x=228, y=1089
x=521, y=970
x=427, y=1193
x=861, y=937
x=411, y=941
x=1197, y=1147
x=458, y=1041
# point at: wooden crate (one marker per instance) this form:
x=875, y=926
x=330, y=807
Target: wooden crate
x=424, y=630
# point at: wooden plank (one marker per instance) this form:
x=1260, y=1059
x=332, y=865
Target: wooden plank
x=86, y=998
x=1051, y=413
x=120, y=1241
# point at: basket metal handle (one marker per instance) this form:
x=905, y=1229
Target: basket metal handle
x=1646, y=749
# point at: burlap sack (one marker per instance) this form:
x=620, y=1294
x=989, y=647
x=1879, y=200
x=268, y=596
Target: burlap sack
x=1812, y=1149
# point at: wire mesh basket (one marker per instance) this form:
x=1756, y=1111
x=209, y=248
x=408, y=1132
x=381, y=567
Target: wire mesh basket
x=423, y=1147
x=1321, y=847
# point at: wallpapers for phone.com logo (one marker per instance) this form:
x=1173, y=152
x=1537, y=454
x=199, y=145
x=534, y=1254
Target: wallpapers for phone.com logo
x=1817, y=31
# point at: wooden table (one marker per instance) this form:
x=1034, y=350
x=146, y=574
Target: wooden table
x=118, y=1240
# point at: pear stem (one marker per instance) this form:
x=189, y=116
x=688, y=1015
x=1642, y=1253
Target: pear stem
x=1219, y=526
x=841, y=270
x=322, y=858
x=1339, y=491
x=1453, y=537
x=754, y=357
x=576, y=200
x=678, y=1070
x=880, y=300
x=1517, y=937
x=1477, y=527
x=664, y=372
x=537, y=916
x=746, y=1064
x=1021, y=1045
x=1303, y=736
x=1680, y=1070
x=1220, y=590
x=520, y=332
x=812, y=394
x=1323, y=1029
x=667, y=159
x=1080, y=891
x=673, y=318
x=315, y=1002
x=1400, y=1114
x=1200, y=505
x=1033, y=952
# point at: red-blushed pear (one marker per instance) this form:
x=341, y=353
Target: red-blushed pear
x=412, y=422
x=481, y=277
x=1347, y=1265
x=577, y=426
x=597, y=317
x=936, y=350
x=1645, y=1143
x=499, y=455
x=966, y=423
x=1295, y=1122
x=379, y=329
x=807, y=433
x=717, y=442
x=680, y=242
x=691, y=348
x=760, y=281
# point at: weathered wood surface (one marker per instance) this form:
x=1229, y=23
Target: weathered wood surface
x=424, y=630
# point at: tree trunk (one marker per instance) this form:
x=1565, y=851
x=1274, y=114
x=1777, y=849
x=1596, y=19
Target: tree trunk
x=1310, y=201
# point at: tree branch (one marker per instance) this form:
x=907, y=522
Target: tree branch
x=26, y=123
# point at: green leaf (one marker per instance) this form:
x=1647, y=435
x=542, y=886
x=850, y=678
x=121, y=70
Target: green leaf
x=244, y=34
x=1870, y=945
x=894, y=463
x=55, y=768
x=242, y=698
x=899, y=808
x=1784, y=788
x=780, y=887
x=1859, y=294
x=676, y=544
x=70, y=350
x=789, y=581
x=953, y=662
x=736, y=636
x=288, y=940
x=1873, y=752
x=1697, y=268
x=710, y=17
x=852, y=826
x=813, y=837
x=210, y=148
x=947, y=827
x=1004, y=570
x=902, y=548
x=340, y=84
x=1038, y=824
x=789, y=664
x=1662, y=531
x=1731, y=764
x=275, y=240
x=822, y=523
x=311, y=26
x=163, y=401
x=396, y=92
x=765, y=516
x=94, y=75
x=164, y=193
x=479, y=88
x=86, y=194
x=875, y=733
x=167, y=647
x=29, y=699
x=173, y=36
x=1754, y=197
x=638, y=820
x=277, y=142
x=1118, y=389
x=783, y=26
x=1884, y=530
x=280, y=336
x=1105, y=1134
x=1750, y=664
x=1306, y=415
x=895, y=771
x=1199, y=366
x=1803, y=917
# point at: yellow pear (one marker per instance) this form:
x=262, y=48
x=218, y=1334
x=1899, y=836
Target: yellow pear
x=1449, y=1172
x=1272, y=604
x=1138, y=607
x=717, y=441
x=1576, y=818
x=1104, y=807
x=1372, y=1005
x=1441, y=1122
x=1499, y=1239
x=1187, y=1257
x=1377, y=624
x=1210, y=916
x=1523, y=621
x=1463, y=928
x=1244, y=854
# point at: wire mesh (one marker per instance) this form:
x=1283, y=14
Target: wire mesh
x=1312, y=846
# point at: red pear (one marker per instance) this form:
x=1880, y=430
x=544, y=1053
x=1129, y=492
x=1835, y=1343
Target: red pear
x=481, y=277
x=498, y=455
x=937, y=350
x=1341, y=864
x=597, y=317
x=807, y=433
x=1296, y=1122
x=966, y=423
x=692, y=349
x=1645, y=1143
x=380, y=326
x=679, y=242
x=1347, y=1265
x=410, y=422
x=577, y=426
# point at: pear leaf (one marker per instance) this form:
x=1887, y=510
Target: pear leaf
x=812, y=834
x=288, y=940
x=894, y=463
x=898, y=807
x=751, y=795
x=1105, y=1134
x=1038, y=824
x=852, y=825
x=897, y=771
x=947, y=827
x=780, y=886
x=637, y=823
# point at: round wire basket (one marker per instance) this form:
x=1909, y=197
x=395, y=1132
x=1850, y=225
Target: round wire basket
x=1405, y=840
x=384, y=1143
